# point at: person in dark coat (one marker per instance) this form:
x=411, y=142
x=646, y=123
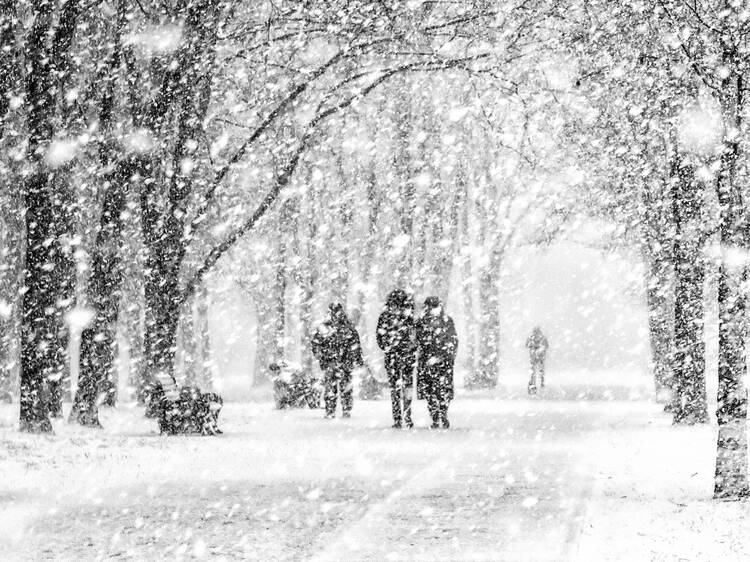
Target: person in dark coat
x=337, y=347
x=437, y=344
x=537, y=345
x=396, y=337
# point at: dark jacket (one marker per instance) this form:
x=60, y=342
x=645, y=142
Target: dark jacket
x=336, y=344
x=537, y=345
x=437, y=343
x=396, y=337
x=395, y=332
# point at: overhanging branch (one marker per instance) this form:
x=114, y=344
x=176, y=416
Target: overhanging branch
x=286, y=174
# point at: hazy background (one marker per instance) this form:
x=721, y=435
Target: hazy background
x=589, y=303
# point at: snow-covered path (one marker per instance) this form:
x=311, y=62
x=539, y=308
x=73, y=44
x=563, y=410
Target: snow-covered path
x=512, y=480
x=505, y=482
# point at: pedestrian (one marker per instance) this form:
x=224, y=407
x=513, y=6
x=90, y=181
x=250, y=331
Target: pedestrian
x=437, y=343
x=337, y=347
x=396, y=337
x=537, y=345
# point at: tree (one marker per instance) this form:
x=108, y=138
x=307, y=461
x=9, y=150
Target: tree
x=47, y=201
x=646, y=183
x=11, y=232
x=714, y=53
x=119, y=174
x=326, y=89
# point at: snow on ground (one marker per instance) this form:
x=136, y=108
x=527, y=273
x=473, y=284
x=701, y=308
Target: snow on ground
x=572, y=475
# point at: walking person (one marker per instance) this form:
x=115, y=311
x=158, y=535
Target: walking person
x=437, y=344
x=537, y=345
x=337, y=348
x=396, y=337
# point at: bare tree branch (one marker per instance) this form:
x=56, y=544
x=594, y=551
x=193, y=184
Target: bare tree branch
x=285, y=176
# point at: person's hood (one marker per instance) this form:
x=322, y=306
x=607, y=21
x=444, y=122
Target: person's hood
x=433, y=306
x=399, y=299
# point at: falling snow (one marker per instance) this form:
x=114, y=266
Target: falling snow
x=373, y=280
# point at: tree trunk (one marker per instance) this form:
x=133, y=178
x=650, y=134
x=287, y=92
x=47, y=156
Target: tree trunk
x=65, y=270
x=132, y=328
x=184, y=97
x=11, y=205
x=656, y=244
x=204, y=371
x=9, y=59
x=690, y=404
x=46, y=282
x=307, y=325
x=660, y=303
x=280, y=282
x=369, y=255
x=187, y=346
x=11, y=272
x=445, y=238
x=489, y=295
x=132, y=307
x=160, y=332
x=405, y=204
x=280, y=312
x=467, y=292
x=133, y=297
x=268, y=344
x=64, y=207
x=489, y=328
x=97, y=375
x=731, y=413
x=731, y=448
x=306, y=272
x=342, y=244
x=162, y=236
x=103, y=295
x=37, y=352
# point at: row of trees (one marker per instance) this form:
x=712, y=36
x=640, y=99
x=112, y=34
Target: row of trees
x=170, y=112
x=475, y=185
x=666, y=79
x=144, y=140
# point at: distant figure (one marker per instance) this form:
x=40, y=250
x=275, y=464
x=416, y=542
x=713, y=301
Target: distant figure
x=336, y=346
x=293, y=387
x=396, y=337
x=437, y=343
x=537, y=345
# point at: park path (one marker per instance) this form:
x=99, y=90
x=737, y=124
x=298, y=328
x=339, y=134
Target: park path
x=512, y=482
x=509, y=481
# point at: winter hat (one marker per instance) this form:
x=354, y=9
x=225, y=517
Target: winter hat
x=336, y=308
x=432, y=302
x=396, y=298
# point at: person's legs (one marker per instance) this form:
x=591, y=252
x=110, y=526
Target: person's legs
x=433, y=405
x=406, y=375
x=396, y=405
x=347, y=399
x=391, y=370
x=406, y=396
x=331, y=384
x=532, y=379
x=541, y=373
x=443, y=403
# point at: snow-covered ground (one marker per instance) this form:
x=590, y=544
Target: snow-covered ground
x=600, y=478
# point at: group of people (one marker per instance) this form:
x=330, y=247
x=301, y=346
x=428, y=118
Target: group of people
x=424, y=345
